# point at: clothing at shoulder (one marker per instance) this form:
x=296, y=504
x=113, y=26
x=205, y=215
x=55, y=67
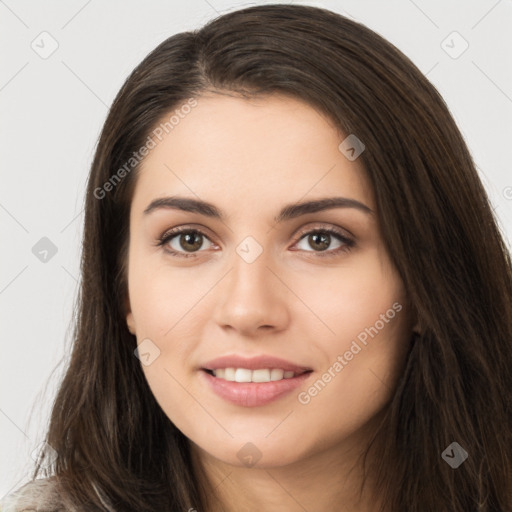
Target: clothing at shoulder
x=38, y=495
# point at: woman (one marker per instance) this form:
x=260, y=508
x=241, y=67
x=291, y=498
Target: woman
x=294, y=293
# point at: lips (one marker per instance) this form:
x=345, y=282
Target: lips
x=254, y=363
x=253, y=394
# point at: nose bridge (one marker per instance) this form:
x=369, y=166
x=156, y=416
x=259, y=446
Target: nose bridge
x=252, y=296
x=250, y=279
x=250, y=270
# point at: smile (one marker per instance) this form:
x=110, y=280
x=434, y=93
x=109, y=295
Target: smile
x=258, y=375
x=241, y=386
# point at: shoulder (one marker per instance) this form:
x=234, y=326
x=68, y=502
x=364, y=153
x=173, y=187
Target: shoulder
x=39, y=495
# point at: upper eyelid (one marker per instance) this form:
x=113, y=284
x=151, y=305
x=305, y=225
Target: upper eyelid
x=173, y=232
x=327, y=227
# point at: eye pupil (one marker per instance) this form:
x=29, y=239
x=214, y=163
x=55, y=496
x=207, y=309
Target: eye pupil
x=189, y=237
x=322, y=239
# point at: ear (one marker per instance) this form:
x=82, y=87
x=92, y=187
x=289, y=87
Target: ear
x=130, y=321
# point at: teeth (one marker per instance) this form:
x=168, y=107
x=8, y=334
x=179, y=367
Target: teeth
x=277, y=374
x=245, y=375
x=242, y=375
x=258, y=375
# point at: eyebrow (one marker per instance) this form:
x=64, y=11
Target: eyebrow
x=290, y=211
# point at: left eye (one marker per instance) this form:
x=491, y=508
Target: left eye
x=321, y=239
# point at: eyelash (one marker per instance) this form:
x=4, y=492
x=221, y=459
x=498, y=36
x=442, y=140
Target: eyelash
x=348, y=243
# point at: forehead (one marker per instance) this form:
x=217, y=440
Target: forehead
x=275, y=148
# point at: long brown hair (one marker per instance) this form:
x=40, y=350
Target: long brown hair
x=114, y=443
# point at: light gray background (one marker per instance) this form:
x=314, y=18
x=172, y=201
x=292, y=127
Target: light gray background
x=51, y=112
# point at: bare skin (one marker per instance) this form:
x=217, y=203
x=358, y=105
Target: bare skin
x=295, y=301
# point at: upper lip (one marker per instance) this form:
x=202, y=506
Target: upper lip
x=253, y=363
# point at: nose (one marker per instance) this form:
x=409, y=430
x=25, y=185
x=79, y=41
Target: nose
x=251, y=298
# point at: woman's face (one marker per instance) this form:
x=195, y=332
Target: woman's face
x=262, y=277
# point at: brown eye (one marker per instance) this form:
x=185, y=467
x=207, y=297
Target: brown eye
x=183, y=242
x=320, y=240
x=191, y=241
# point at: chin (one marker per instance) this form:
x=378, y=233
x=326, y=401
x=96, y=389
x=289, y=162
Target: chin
x=254, y=452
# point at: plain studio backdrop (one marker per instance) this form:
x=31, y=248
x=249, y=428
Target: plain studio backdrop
x=63, y=63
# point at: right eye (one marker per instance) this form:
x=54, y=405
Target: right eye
x=183, y=242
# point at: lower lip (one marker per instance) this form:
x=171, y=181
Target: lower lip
x=253, y=394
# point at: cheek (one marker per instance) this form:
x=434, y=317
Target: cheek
x=164, y=306
x=164, y=299
x=352, y=298
x=357, y=383
x=165, y=309
x=363, y=356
